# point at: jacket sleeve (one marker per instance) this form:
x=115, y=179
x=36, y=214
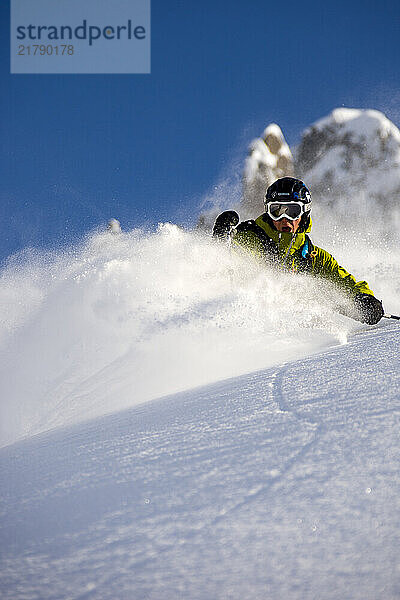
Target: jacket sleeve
x=326, y=266
x=249, y=243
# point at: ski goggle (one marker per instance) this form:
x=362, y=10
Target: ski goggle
x=287, y=210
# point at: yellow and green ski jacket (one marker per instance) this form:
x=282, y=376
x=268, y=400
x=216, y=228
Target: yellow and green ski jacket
x=295, y=252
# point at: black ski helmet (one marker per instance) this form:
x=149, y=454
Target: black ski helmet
x=289, y=189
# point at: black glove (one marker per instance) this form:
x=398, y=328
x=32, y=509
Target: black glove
x=369, y=309
x=224, y=223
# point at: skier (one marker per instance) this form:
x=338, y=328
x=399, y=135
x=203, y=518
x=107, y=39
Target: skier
x=280, y=236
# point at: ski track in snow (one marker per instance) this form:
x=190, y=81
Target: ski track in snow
x=282, y=484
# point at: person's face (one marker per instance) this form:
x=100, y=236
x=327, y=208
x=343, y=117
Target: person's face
x=286, y=226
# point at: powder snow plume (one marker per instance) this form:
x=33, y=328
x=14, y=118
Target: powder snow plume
x=121, y=319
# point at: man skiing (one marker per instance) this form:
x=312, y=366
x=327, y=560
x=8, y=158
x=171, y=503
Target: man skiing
x=280, y=236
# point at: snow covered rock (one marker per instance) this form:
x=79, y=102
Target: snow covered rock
x=351, y=155
x=269, y=158
x=350, y=160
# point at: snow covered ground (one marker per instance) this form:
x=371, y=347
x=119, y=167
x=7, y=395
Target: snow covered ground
x=133, y=468
x=279, y=484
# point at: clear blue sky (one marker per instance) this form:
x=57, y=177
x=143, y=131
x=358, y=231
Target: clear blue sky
x=78, y=149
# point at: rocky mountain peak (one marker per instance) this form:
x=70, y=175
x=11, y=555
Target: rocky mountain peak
x=350, y=158
x=351, y=152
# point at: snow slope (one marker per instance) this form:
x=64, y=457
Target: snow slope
x=279, y=484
